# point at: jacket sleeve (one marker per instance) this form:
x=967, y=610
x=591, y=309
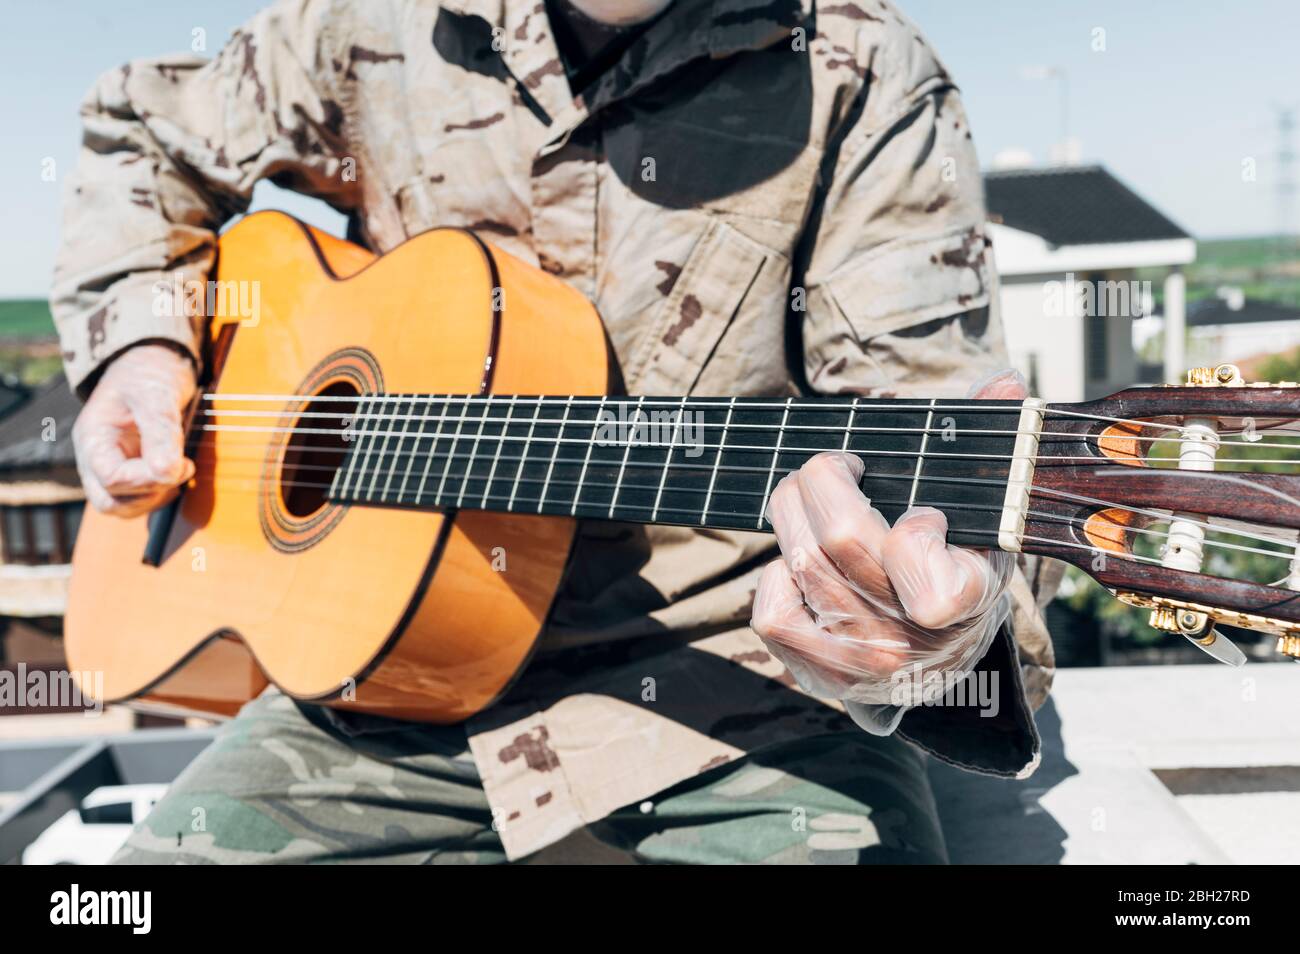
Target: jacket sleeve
x=171, y=150
x=902, y=301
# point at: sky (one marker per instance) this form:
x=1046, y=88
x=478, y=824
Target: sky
x=1182, y=94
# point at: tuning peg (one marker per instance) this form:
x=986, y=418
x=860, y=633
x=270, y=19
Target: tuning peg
x=1200, y=631
x=1220, y=647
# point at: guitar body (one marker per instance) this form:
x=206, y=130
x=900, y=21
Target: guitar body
x=417, y=615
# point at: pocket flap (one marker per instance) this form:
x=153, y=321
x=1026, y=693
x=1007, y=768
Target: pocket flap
x=901, y=284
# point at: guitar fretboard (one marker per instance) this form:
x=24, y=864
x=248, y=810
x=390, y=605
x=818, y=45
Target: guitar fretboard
x=704, y=462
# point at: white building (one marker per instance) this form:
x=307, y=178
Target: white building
x=1067, y=241
x=1232, y=327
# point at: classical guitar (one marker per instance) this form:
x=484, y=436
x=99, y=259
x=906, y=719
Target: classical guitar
x=394, y=452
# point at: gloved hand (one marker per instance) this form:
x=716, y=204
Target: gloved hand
x=128, y=437
x=867, y=613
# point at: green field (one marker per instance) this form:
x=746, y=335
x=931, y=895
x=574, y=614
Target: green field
x=26, y=318
x=1265, y=268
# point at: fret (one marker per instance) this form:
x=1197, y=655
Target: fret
x=576, y=435
x=398, y=462
x=586, y=458
x=702, y=462
x=555, y=450
x=809, y=428
x=663, y=477
x=638, y=421
x=687, y=462
x=432, y=451
x=382, y=428
x=473, y=451
x=967, y=479
x=414, y=453
x=496, y=457
x=482, y=462
x=372, y=429
x=614, y=436
x=848, y=429
x=743, y=465
x=717, y=459
x=541, y=446
x=459, y=415
x=348, y=470
x=771, y=471
x=374, y=437
x=523, y=454
x=891, y=433
x=667, y=459
x=920, y=456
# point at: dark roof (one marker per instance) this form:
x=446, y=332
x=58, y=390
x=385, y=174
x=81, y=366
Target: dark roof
x=1215, y=311
x=22, y=433
x=1074, y=205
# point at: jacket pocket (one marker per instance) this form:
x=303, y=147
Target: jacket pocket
x=691, y=320
x=902, y=284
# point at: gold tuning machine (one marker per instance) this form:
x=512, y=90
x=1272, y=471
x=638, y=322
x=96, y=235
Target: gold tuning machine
x=1223, y=376
x=1229, y=376
x=1186, y=622
x=1197, y=621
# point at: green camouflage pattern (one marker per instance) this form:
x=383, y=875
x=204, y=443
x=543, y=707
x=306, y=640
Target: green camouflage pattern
x=281, y=785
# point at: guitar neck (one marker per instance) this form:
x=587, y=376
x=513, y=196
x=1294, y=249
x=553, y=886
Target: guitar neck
x=700, y=462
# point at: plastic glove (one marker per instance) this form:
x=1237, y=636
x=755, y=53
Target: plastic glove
x=128, y=438
x=880, y=617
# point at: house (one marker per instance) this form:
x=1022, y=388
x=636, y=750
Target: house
x=1068, y=242
x=41, y=502
x=1232, y=327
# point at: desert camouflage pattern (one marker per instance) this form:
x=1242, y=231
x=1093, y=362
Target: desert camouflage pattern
x=761, y=197
x=282, y=786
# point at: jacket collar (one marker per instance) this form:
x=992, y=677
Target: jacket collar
x=687, y=31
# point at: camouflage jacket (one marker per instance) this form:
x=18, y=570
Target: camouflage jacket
x=760, y=197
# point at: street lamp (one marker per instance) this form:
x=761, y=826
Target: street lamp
x=1057, y=73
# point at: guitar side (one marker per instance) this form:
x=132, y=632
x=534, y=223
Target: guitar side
x=415, y=615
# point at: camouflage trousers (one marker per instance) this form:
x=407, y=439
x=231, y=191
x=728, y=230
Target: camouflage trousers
x=282, y=784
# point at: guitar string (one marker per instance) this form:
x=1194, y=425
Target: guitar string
x=1286, y=554
x=973, y=408
x=1048, y=518
x=1149, y=512
x=756, y=448
x=733, y=468
x=595, y=422
x=251, y=484
x=504, y=437
x=474, y=456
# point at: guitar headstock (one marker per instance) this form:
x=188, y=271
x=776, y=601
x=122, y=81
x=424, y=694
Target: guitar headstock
x=1181, y=499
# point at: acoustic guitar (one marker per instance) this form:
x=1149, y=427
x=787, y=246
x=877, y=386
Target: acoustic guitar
x=393, y=455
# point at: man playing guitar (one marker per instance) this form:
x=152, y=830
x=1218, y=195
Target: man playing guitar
x=761, y=199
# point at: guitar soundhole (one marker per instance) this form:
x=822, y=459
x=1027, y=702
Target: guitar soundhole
x=311, y=458
x=300, y=464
